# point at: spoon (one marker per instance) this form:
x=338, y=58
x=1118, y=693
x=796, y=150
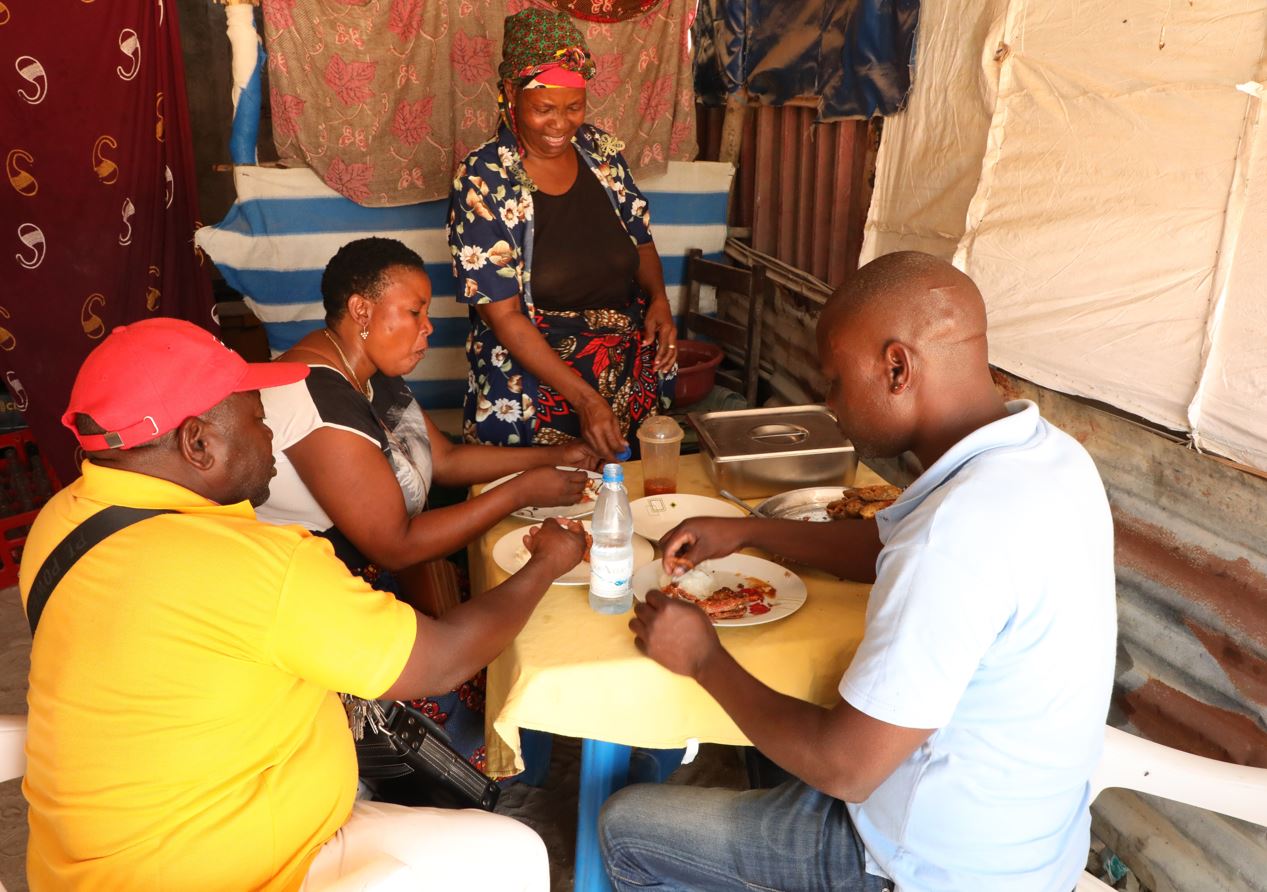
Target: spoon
x=731, y=497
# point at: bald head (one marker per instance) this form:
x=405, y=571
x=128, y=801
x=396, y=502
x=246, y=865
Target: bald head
x=903, y=344
x=914, y=297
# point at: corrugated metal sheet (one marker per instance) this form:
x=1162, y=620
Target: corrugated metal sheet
x=809, y=196
x=802, y=189
x=799, y=200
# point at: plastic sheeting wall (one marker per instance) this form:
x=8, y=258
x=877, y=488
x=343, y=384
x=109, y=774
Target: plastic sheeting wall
x=1097, y=169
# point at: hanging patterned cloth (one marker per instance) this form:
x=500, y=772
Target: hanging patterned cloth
x=383, y=98
x=100, y=200
x=605, y=10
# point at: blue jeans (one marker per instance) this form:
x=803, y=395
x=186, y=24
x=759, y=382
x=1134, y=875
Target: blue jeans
x=684, y=838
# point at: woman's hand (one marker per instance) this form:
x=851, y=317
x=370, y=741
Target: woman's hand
x=577, y=454
x=528, y=345
x=600, y=428
x=549, y=487
x=559, y=542
x=659, y=328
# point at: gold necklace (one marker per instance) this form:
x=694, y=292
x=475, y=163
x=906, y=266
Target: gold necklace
x=347, y=366
x=397, y=445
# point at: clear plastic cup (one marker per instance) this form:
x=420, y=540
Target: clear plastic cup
x=661, y=440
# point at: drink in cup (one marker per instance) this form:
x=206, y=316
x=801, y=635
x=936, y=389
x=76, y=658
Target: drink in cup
x=661, y=441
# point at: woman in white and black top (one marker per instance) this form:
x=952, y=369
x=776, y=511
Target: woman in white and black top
x=324, y=400
x=356, y=454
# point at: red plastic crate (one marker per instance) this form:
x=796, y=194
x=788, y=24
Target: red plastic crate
x=27, y=480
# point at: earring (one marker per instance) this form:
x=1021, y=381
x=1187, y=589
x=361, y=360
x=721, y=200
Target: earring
x=896, y=387
x=365, y=333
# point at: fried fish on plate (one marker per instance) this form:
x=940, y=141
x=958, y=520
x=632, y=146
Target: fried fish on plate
x=865, y=501
x=720, y=602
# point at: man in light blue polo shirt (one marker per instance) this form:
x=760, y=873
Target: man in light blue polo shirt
x=972, y=715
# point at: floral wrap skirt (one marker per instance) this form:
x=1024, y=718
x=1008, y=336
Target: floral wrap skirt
x=507, y=406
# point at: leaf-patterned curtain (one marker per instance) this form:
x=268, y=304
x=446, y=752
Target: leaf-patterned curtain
x=382, y=97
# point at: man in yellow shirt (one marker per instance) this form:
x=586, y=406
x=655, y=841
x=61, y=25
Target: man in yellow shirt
x=184, y=732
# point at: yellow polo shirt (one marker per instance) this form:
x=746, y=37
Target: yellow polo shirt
x=183, y=730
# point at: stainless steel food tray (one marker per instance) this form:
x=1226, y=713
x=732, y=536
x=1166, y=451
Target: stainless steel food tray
x=775, y=432
x=809, y=503
x=760, y=452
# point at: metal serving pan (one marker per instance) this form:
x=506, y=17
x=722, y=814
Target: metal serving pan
x=809, y=503
x=760, y=452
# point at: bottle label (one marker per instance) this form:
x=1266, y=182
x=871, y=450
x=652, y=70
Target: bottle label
x=610, y=576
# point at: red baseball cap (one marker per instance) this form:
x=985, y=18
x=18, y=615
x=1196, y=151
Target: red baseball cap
x=145, y=379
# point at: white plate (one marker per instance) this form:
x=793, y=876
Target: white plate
x=653, y=516
x=506, y=554
x=733, y=571
x=581, y=509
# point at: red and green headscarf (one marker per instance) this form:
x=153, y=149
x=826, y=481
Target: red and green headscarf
x=544, y=46
x=540, y=49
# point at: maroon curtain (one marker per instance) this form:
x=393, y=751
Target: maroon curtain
x=98, y=207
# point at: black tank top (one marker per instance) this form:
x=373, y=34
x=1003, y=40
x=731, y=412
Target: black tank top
x=582, y=257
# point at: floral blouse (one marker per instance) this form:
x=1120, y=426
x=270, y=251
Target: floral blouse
x=490, y=213
x=490, y=234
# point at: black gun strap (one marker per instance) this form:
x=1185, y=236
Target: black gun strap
x=76, y=544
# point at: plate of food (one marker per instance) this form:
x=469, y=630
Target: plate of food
x=653, y=516
x=824, y=503
x=582, y=508
x=511, y=554
x=739, y=590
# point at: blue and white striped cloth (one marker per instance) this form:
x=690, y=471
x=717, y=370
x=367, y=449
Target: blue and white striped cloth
x=286, y=224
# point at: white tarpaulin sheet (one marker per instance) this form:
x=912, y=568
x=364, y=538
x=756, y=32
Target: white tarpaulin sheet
x=1092, y=166
x=930, y=154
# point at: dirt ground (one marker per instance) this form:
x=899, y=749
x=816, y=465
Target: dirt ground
x=15, y=655
x=550, y=810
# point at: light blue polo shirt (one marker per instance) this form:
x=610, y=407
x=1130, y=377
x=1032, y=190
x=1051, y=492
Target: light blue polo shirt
x=992, y=619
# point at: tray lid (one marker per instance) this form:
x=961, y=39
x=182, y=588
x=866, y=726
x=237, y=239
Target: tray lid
x=782, y=430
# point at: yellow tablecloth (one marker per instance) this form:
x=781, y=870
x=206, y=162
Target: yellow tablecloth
x=572, y=671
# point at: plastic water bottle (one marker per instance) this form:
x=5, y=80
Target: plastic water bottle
x=611, y=555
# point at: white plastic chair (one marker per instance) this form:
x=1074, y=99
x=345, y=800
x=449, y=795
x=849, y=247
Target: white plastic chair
x=1134, y=763
x=12, y=749
x=12, y=746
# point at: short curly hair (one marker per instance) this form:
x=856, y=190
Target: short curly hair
x=360, y=267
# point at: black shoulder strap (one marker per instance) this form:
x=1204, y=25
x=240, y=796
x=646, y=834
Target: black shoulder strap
x=76, y=544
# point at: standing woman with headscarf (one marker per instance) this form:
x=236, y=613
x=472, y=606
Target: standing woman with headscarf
x=572, y=335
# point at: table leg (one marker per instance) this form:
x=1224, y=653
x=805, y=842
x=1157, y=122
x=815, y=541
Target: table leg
x=653, y=766
x=604, y=770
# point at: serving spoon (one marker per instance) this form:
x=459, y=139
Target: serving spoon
x=731, y=497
